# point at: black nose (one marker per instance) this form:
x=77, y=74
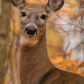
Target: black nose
x=31, y=30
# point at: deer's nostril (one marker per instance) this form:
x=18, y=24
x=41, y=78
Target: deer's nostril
x=31, y=30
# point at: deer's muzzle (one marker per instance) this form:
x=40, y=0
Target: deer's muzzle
x=30, y=30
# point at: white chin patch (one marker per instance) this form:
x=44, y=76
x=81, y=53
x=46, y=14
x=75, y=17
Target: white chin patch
x=23, y=40
x=29, y=42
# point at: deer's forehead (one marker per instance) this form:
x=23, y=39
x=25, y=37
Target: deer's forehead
x=35, y=7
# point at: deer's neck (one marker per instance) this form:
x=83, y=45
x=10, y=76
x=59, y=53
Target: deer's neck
x=34, y=63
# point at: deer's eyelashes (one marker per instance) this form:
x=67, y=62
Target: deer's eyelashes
x=43, y=16
x=23, y=14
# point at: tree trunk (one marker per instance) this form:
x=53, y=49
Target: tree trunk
x=4, y=25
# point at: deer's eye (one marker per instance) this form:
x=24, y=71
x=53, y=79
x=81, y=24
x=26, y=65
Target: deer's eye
x=23, y=14
x=43, y=17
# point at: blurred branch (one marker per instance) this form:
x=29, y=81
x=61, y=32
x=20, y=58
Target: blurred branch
x=66, y=50
x=66, y=31
x=68, y=22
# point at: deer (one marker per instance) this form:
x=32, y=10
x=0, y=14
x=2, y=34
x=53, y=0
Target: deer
x=34, y=65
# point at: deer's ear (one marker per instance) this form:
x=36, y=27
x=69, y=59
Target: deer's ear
x=18, y=3
x=54, y=5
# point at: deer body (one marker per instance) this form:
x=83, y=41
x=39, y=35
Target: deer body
x=35, y=66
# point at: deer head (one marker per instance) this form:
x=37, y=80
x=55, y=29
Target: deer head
x=33, y=19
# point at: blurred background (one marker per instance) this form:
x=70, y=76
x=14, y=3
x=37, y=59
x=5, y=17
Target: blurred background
x=65, y=35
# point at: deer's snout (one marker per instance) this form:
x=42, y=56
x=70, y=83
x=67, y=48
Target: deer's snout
x=30, y=30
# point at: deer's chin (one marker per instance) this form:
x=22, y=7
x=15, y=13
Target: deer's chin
x=29, y=40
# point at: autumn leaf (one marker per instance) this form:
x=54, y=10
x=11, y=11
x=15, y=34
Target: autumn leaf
x=75, y=61
x=70, y=53
x=59, y=58
x=68, y=64
x=75, y=70
x=82, y=64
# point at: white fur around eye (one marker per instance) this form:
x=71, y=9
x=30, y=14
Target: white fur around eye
x=26, y=11
x=42, y=13
x=41, y=20
x=23, y=18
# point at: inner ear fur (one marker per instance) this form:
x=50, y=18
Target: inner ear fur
x=54, y=5
x=18, y=3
